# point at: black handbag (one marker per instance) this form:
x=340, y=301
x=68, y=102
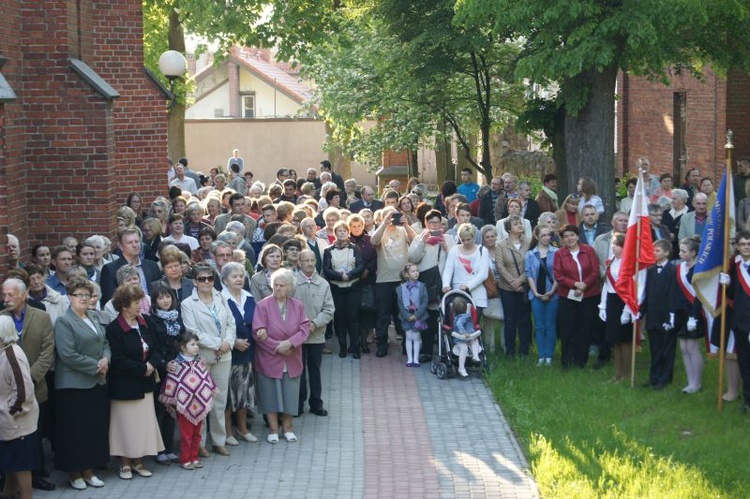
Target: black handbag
x=433, y=281
x=367, y=298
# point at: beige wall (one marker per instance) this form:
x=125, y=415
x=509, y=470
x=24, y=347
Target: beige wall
x=269, y=102
x=206, y=107
x=265, y=144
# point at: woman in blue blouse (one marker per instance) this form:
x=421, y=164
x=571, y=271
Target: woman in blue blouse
x=241, y=385
x=543, y=293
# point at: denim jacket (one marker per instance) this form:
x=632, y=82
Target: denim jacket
x=533, y=264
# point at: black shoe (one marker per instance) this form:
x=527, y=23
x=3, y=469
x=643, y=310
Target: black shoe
x=424, y=358
x=356, y=356
x=381, y=353
x=365, y=350
x=745, y=408
x=319, y=412
x=599, y=364
x=39, y=483
x=342, y=355
x=659, y=387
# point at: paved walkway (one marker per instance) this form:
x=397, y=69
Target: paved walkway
x=392, y=432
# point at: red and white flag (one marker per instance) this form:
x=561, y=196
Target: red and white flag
x=639, y=247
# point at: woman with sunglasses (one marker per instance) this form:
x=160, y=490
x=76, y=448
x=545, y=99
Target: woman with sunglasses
x=568, y=213
x=206, y=313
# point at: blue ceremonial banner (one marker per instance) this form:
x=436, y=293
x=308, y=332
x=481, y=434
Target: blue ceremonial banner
x=712, y=251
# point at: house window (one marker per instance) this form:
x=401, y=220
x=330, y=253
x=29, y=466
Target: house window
x=248, y=106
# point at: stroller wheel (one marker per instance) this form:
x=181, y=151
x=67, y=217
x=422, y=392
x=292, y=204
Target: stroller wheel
x=434, y=365
x=442, y=371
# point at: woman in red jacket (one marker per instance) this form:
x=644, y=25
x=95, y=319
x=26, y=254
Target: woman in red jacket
x=576, y=270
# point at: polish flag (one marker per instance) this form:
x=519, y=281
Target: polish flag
x=639, y=247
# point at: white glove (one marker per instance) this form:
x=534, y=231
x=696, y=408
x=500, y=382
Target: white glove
x=724, y=279
x=603, y=314
x=625, y=316
x=635, y=317
x=692, y=324
x=668, y=326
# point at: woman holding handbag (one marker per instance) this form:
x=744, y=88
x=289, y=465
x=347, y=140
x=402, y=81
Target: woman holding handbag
x=493, y=314
x=509, y=257
x=543, y=293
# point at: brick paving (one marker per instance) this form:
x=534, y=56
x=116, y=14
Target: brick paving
x=392, y=432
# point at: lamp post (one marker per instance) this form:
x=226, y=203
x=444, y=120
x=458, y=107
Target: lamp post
x=173, y=65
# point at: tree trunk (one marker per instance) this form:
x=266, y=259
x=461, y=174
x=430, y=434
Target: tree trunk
x=413, y=164
x=176, y=120
x=463, y=160
x=341, y=163
x=443, y=165
x=590, y=135
x=486, y=161
x=557, y=138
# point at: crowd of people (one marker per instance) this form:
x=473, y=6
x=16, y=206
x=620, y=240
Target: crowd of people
x=219, y=299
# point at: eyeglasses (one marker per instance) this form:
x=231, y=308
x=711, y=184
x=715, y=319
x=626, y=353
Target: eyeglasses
x=82, y=296
x=205, y=278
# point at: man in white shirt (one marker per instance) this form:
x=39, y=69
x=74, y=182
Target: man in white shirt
x=184, y=183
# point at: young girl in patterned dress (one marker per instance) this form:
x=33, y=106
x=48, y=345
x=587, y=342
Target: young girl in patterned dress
x=189, y=390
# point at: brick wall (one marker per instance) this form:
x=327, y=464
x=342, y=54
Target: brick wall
x=71, y=157
x=646, y=121
x=12, y=137
x=738, y=112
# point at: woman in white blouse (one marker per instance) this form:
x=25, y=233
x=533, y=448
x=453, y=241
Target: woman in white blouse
x=616, y=315
x=467, y=266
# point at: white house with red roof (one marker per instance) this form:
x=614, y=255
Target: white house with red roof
x=248, y=84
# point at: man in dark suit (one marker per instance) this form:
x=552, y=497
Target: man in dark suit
x=530, y=209
x=37, y=340
x=368, y=201
x=591, y=227
x=738, y=291
x=129, y=242
x=658, y=229
x=488, y=201
x=325, y=166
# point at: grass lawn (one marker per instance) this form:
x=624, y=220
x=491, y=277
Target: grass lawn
x=586, y=438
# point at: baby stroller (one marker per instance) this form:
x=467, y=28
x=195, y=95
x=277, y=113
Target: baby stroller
x=445, y=364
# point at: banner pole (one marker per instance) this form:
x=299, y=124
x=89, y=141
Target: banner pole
x=637, y=269
x=725, y=269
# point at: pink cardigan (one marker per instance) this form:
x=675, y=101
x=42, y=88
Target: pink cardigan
x=295, y=328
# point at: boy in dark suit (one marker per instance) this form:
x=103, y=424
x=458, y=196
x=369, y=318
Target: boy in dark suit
x=661, y=284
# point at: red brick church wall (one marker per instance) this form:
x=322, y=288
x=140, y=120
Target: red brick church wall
x=71, y=156
x=645, y=121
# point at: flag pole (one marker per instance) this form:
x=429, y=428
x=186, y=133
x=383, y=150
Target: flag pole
x=725, y=269
x=637, y=269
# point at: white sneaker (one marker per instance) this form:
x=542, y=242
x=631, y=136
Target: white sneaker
x=463, y=373
x=540, y=362
x=231, y=441
x=548, y=361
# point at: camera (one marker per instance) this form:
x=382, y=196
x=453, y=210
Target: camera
x=396, y=220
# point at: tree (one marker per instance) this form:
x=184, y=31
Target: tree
x=411, y=77
x=580, y=46
x=165, y=23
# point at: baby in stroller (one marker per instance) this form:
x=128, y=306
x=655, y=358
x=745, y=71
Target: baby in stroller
x=465, y=337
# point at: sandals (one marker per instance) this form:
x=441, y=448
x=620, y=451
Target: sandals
x=290, y=437
x=126, y=472
x=273, y=438
x=142, y=470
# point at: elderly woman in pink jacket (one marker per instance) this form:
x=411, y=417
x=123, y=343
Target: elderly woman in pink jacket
x=280, y=327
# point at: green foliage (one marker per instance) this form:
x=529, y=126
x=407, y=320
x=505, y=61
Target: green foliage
x=406, y=66
x=586, y=438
